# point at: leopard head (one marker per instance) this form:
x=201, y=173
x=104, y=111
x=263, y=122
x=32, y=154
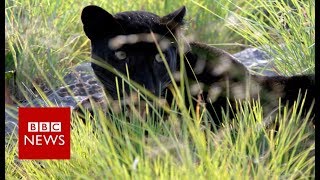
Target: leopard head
x=127, y=42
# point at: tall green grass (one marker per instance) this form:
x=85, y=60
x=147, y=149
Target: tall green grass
x=109, y=147
x=44, y=40
x=284, y=29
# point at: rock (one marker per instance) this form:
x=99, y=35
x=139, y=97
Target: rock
x=11, y=122
x=257, y=61
x=81, y=87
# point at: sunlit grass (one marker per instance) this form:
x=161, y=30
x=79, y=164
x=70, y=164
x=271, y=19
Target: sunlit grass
x=284, y=29
x=109, y=147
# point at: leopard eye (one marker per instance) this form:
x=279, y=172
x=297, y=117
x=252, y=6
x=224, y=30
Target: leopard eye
x=158, y=58
x=121, y=55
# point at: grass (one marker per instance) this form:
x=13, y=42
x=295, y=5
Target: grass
x=44, y=39
x=108, y=147
x=279, y=28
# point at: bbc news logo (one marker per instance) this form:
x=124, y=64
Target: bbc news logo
x=44, y=133
x=44, y=139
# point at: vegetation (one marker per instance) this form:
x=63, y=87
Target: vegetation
x=44, y=39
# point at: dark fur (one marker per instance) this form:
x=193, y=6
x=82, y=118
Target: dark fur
x=221, y=72
x=269, y=89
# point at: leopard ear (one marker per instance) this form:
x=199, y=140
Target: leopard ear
x=97, y=22
x=175, y=19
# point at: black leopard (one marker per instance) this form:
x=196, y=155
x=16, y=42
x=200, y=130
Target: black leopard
x=130, y=42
